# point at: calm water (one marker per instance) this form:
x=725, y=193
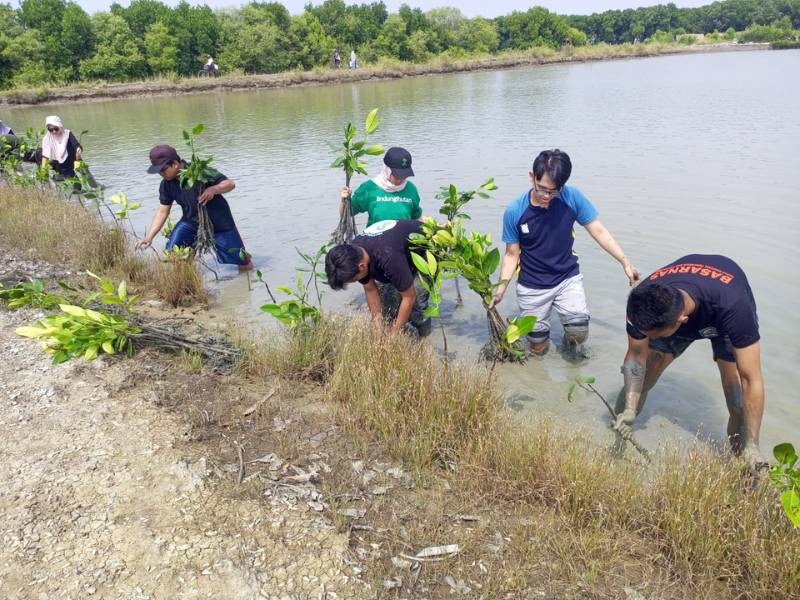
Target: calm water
x=680, y=154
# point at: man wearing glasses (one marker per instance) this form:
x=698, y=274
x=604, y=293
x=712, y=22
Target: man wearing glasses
x=538, y=229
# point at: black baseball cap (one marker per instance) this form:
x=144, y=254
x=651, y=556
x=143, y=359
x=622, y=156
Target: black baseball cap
x=399, y=161
x=161, y=156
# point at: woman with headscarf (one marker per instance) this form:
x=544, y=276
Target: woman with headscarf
x=389, y=195
x=60, y=147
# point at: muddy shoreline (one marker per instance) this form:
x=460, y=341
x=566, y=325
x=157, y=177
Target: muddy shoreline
x=106, y=91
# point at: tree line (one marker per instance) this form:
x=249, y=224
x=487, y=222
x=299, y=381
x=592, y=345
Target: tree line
x=46, y=42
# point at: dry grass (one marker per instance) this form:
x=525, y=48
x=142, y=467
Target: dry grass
x=693, y=525
x=179, y=282
x=63, y=232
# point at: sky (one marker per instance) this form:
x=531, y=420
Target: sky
x=470, y=8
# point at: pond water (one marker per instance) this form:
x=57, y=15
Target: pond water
x=681, y=154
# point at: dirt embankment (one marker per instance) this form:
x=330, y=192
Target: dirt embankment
x=119, y=479
x=165, y=87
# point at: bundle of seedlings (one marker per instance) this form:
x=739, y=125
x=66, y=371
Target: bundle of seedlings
x=349, y=160
x=103, y=321
x=198, y=173
x=450, y=252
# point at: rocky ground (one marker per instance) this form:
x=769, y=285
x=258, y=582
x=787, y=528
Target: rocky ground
x=114, y=485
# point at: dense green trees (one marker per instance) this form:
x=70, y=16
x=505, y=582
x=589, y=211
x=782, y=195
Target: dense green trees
x=54, y=41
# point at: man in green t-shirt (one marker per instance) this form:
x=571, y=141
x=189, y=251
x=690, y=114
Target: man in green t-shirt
x=390, y=196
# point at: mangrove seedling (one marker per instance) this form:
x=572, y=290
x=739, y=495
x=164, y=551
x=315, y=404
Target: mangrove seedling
x=452, y=203
x=197, y=173
x=125, y=208
x=297, y=312
x=785, y=476
x=473, y=257
x=30, y=293
x=586, y=382
x=178, y=253
x=349, y=159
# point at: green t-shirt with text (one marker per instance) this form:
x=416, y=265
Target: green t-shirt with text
x=381, y=205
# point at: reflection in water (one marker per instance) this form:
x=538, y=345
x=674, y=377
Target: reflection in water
x=680, y=154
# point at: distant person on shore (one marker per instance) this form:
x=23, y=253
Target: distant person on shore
x=337, y=59
x=211, y=66
x=699, y=296
x=381, y=256
x=353, y=59
x=165, y=161
x=538, y=229
x=60, y=148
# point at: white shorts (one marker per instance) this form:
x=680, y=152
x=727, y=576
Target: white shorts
x=568, y=298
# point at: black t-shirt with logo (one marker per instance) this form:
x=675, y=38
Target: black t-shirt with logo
x=218, y=210
x=387, y=244
x=723, y=298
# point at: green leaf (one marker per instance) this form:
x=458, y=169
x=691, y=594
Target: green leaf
x=785, y=454
x=372, y=121
x=431, y=262
x=491, y=261
x=108, y=347
x=122, y=290
x=198, y=129
x=30, y=332
x=525, y=324
x=571, y=391
x=790, y=500
x=375, y=150
x=91, y=352
x=186, y=135
x=511, y=333
x=586, y=378
x=283, y=288
x=75, y=311
x=420, y=263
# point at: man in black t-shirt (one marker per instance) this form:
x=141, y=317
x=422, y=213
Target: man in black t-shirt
x=699, y=296
x=381, y=256
x=164, y=160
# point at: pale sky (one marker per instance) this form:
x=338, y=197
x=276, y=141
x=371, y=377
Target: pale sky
x=470, y=8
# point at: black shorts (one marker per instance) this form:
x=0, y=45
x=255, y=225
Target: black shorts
x=721, y=346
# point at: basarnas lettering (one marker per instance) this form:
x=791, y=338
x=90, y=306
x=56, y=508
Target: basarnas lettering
x=694, y=269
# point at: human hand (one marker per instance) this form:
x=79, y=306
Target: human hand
x=346, y=193
x=624, y=422
x=145, y=243
x=499, y=292
x=631, y=272
x=207, y=195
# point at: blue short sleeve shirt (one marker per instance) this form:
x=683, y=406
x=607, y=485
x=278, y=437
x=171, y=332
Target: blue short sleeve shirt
x=546, y=236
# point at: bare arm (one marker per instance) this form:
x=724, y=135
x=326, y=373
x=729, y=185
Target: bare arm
x=407, y=298
x=346, y=194
x=373, y=299
x=748, y=363
x=633, y=371
x=156, y=224
x=507, y=269
x=223, y=187
x=606, y=241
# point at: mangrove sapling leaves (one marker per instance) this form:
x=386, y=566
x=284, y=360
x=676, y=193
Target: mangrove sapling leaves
x=785, y=476
x=350, y=161
x=77, y=331
x=30, y=293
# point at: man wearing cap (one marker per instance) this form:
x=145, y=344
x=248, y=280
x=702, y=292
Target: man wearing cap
x=538, y=229
x=165, y=161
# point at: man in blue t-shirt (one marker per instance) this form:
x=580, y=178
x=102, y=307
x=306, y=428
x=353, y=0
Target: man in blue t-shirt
x=538, y=229
x=699, y=296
